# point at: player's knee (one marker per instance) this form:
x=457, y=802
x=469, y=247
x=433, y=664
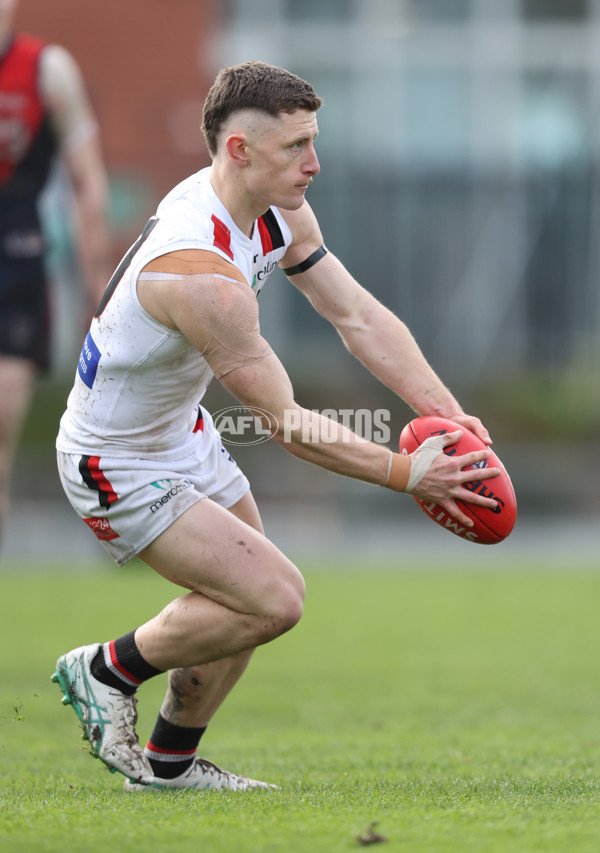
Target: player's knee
x=293, y=605
x=285, y=608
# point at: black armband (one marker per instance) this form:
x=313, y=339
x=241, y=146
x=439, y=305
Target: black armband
x=308, y=263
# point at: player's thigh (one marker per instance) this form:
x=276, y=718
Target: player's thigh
x=246, y=510
x=17, y=377
x=211, y=551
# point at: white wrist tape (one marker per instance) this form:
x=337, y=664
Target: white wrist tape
x=422, y=459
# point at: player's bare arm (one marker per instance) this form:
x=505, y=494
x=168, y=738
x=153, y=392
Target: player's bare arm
x=218, y=313
x=313, y=438
x=77, y=131
x=369, y=330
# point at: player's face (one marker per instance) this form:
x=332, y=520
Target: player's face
x=283, y=159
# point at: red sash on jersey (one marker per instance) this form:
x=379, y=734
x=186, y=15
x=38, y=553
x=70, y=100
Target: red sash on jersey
x=21, y=109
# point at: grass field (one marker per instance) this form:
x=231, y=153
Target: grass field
x=453, y=710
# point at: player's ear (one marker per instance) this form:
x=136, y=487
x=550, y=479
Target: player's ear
x=236, y=146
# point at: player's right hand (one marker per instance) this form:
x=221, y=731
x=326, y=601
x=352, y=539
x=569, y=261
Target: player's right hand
x=443, y=482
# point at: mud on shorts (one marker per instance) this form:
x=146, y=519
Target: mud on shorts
x=127, y=503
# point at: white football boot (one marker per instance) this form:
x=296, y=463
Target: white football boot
x=203, y=775
x=107, y=716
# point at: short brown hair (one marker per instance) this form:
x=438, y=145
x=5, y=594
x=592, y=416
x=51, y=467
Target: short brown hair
x=254, y=86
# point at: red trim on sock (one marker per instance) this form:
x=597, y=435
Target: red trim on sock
x=117, y=665
x=160, y=751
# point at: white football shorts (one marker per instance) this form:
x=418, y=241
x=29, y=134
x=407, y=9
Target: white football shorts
x=127, y=503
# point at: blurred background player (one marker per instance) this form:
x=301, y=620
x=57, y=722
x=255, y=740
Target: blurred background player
x=44, y=113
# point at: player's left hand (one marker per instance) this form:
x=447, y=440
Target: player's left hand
x=472, y=424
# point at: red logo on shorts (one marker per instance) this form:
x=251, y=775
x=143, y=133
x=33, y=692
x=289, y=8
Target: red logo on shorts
x=101, y=527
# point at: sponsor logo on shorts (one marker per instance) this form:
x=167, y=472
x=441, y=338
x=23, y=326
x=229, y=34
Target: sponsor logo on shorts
x=169, y=492
x=102, y=529
x=164, y=485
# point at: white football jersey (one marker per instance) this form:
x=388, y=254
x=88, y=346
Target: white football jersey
x=138, y=383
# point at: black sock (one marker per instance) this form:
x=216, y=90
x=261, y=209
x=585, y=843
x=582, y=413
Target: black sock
x=172, y=749
x=120, y=664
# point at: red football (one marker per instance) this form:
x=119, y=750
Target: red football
x=490, y=525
